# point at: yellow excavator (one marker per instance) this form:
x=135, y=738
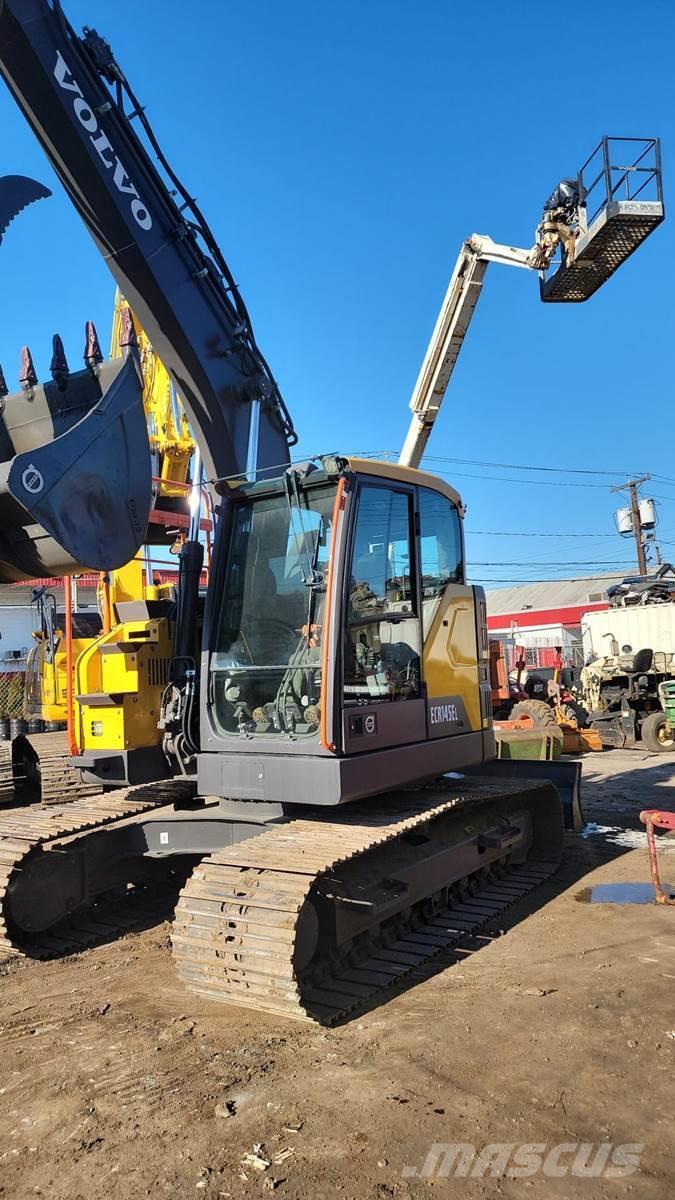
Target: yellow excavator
x=329, y=778
x=45, y=702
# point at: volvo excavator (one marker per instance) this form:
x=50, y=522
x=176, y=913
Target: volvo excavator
x=329, y=697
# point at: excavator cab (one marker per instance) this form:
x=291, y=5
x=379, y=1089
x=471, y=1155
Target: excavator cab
x=344, y=652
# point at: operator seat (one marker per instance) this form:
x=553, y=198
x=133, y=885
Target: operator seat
x=642, y=662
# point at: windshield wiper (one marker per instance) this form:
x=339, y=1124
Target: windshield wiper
x=313, y=578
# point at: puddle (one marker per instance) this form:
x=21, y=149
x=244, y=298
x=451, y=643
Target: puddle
x=619, y=893
x=629, y=839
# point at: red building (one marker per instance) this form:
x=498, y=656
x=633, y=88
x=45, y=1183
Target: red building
x=543, y=616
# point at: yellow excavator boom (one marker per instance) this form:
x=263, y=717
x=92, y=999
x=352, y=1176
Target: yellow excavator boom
x=171, y=442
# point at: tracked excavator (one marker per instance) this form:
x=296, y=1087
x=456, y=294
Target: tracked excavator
x=323, y=711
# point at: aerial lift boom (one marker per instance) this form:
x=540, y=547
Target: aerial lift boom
x=451, y=328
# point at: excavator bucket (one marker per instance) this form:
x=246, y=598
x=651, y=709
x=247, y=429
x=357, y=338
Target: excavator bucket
x=16, y=193
x=75, y=468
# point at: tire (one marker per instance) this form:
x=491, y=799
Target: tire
x=540, y=713
x=655, y=734
x=574, y=713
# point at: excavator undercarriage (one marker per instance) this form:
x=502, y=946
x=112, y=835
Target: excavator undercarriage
x=307, y=917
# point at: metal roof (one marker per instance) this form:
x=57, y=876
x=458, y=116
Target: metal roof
x=550, y=593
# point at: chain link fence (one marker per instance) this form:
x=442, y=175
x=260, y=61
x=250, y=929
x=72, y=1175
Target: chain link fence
x=541, y=653
x=12, y=688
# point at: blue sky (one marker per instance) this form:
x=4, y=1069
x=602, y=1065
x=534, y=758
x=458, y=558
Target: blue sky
x=342, y=153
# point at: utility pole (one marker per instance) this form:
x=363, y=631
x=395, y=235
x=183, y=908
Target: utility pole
x=632, y=486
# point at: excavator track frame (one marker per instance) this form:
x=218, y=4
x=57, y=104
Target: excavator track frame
x=26, y=834
x=305, y=919
x=240, y=928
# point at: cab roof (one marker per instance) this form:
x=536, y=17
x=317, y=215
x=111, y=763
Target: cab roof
x=358, y=466
x=411, y=475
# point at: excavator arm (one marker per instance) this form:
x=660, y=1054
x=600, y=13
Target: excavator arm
x=166, y=263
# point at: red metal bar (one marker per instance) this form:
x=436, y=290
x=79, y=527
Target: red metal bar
x=106, y=615
x=177, y=520
x=70, y=705
x=652, y=818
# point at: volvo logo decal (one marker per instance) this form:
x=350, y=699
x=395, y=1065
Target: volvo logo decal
x=32, y=480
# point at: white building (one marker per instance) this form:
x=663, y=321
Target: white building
x=18, y=617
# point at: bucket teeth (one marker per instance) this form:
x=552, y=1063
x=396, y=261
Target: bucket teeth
x=93, y=355
x=4, y=390
x=27, y=375
x=127, y=329
x=59, y=364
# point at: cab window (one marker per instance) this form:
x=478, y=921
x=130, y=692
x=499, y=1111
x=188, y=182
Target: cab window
x=382, y=638
x=440, y=550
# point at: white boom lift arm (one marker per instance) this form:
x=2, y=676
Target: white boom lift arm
x=447, y=339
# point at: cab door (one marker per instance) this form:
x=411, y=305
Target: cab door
x=382, y=694
x=450, y=655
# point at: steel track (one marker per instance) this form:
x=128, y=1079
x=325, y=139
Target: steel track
x=25, y=832
x=55, y=779
x=6, y=774
x=234, y=934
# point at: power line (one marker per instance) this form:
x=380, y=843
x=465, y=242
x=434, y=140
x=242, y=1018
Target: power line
x=392, y=456
x=474, y=462
x=477, y=462
x=575, y=562
x=523, y=482
x=517, y=533
x=562, y=579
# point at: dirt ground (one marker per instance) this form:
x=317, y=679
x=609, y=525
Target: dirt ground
x=115, y=1081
